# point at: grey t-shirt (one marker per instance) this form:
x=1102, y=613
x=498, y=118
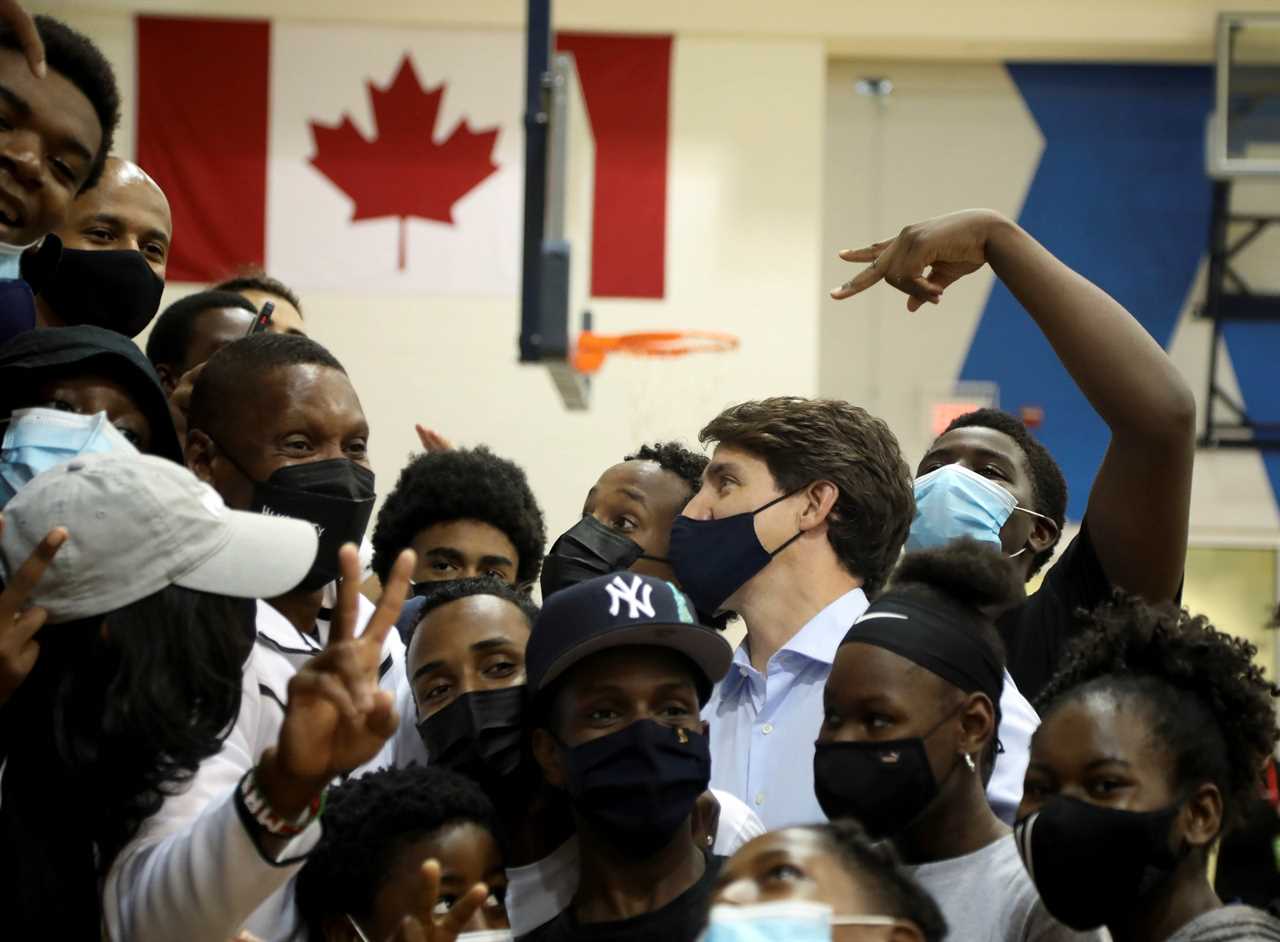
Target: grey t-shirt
x=988, y=895
x=1230, y=924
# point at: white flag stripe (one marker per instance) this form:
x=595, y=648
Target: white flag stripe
x=321, y=73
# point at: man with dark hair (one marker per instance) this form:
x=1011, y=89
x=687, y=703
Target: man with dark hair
x=986, y=477
x=801, y=512
x=465, y=512
x=626, y=518
x=258, y=287
x=55, y=134
x=115, y=246
x=194, y=328
x=305, y=455
x=466, y=662
x=617, y=671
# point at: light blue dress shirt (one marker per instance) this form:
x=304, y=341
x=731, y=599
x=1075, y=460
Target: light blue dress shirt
x=763, y=725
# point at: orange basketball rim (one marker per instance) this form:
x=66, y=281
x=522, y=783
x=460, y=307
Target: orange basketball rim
x=592, y=348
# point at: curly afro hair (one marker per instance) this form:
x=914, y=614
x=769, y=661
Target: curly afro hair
x=1048, y=486
x=368, y=822
x=1207, y=701
x=683, y=462
x=892, y=888
x=461, y=484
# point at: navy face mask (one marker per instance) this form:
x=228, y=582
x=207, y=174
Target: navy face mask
x=639, y=785
x=715, y=558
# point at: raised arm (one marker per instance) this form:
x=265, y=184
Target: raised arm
x=1139, y=506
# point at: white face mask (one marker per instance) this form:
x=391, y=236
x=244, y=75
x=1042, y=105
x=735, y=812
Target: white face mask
x=786, y=921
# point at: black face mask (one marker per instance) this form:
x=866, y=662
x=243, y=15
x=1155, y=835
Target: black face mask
x=1092, y=865
x=715, y=558
x=586, y=550
x=115, y=289
x=886, y=785
x=336, y=496
x=640, y=784
x=479, y=735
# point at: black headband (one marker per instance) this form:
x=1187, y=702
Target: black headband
x=942, y=638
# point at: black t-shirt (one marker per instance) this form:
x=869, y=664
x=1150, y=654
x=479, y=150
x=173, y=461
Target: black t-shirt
x=1036, y=632
x=681, y=920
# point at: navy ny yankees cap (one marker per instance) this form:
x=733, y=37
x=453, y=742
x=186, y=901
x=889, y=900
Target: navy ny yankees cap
x=615, y=611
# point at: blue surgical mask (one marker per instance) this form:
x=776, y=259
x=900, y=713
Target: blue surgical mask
x=38, y=439
x=715, y=558
x=953, y=501
x=11, y=260
x=783, y=921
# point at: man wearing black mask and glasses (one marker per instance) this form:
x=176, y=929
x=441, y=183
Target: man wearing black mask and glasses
x=618, y=670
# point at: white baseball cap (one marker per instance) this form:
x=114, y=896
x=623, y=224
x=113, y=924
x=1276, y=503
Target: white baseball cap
x=138, y=523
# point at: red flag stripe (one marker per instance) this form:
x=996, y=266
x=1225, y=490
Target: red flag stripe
x=626, y=81
x=203, y=98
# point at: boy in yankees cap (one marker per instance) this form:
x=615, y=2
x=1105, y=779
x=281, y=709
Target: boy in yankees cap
x=618, y=670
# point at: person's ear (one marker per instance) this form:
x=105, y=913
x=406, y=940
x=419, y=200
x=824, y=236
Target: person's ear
x=1201, y=817
x=821, y=497
x=1044, y=535
x=905, y=932
x=199, y=454
x=977, y=725
x=168, y=377
x=705, y=820
x=547, y=753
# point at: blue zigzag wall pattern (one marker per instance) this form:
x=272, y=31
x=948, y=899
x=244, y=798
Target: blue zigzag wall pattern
x=1121, y=196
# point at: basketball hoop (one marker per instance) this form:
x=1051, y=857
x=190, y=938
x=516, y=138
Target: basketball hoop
x=592, y=348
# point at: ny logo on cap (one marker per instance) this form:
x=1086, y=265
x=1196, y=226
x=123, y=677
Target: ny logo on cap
x=638, y=602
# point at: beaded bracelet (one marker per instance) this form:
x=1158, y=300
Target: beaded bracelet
x=255, y=802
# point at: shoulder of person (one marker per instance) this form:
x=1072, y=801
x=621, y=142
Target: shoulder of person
x=1235, y=923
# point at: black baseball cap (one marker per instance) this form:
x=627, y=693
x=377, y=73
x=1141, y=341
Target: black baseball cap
x=46, y=353
x=616, y=611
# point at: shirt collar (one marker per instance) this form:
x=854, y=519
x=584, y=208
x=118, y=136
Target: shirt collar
x=818, y=639
x=281, y=634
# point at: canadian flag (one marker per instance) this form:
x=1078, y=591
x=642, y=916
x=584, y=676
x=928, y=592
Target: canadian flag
x=375, y=160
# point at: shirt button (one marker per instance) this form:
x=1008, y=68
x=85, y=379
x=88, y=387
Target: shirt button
x=759, y=798
x=767, y=728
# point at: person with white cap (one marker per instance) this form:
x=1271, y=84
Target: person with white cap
x=132, y=566
x=135, y=747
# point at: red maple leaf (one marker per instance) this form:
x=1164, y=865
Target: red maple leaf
x=403, y=172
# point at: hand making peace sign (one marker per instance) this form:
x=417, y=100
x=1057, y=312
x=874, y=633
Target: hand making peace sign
x=337, y=717
x=18, y=623
x=445, y=928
